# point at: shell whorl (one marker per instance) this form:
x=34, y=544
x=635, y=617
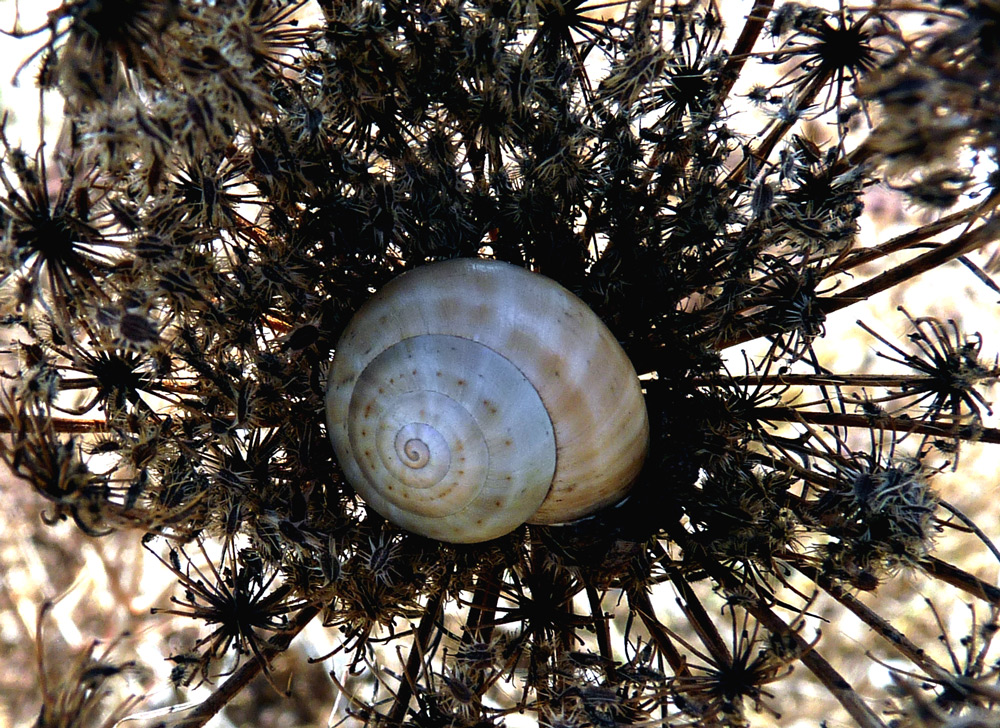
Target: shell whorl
x=471, y=396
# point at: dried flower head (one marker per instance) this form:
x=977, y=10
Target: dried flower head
x=233, y=180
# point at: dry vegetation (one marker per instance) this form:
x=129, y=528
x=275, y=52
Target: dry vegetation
x=729, y=190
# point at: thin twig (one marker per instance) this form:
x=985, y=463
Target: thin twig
x=415, y=660
x=963, y=580
x=816, y=380
x=482, y=610
x=882, y=422
x=902, y=242
x=832, y=680
x=915, y=654
x=963, y=244
x=62, y=424
x=639, y=603
x=698, y=618
x=247, y=672
x=741, y=51
x=601, y=630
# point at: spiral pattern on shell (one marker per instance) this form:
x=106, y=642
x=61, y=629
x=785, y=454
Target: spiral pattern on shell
x=471, y=396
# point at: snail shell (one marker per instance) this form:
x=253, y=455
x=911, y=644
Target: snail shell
x=471, y=396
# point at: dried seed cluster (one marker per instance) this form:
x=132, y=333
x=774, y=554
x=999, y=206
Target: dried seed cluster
x=233, y=180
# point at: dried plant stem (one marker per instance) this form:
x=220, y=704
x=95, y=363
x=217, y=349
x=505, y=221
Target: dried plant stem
x=247, y=672
x=479, y=625
x=639, y=603
x=883, y=628
x=832, y=680
x=699, y=619
x=906, y=240
x=969, y=524
x=600, y=623
x=961, y=579
x=930, y=260
x=895, y=424
x=780, y=130
x=62, y=424
x=741, y=51
x=821, y=380
x=415, y=660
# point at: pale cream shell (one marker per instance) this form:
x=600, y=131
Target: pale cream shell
x=470, y=396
